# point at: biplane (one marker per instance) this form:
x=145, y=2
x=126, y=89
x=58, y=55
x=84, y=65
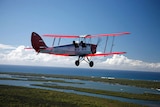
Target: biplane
x=84, y=50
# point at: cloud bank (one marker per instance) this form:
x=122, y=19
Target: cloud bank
x=2, y=46
x=122, y=62
x=20, y=56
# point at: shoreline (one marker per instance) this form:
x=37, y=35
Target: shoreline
x=130, y=82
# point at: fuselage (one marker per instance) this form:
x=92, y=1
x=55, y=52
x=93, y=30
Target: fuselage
x=74, y=49
x=80, y=49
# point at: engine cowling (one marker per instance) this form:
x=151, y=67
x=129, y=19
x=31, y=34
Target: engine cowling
x=93, y=48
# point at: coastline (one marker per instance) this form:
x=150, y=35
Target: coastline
x=122, y=81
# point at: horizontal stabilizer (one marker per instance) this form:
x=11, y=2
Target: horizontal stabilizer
x=28, y=48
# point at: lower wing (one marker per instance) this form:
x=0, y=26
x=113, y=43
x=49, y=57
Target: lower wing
x=106, y=54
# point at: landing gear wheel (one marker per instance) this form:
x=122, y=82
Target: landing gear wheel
x=91, y=63
x=77, y=62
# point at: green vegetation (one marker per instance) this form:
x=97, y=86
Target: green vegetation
x=137, y=83
x=145, y=96
x=13, y=96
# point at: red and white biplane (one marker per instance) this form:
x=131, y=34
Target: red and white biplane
x=84, y=50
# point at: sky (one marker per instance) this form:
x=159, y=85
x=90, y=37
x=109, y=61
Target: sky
x=19, y=18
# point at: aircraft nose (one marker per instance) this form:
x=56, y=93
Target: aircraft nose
x=93, y=48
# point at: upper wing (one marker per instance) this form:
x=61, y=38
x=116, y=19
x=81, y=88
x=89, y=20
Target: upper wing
x=106, y=54
x=112, y=34
x=84, y=36
x=61, y=36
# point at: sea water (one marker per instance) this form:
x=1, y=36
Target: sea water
x=139, y=75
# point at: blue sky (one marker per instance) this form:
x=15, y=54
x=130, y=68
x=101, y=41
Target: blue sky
x=18, y=18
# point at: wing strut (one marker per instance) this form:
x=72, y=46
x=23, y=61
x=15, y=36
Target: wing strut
x=112, y=44
x=59, y=41
x=53, y=42
x=106, y=44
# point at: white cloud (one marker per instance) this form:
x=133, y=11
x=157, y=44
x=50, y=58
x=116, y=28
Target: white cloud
x=21, y=56
x=122, y=62
x=2, y=46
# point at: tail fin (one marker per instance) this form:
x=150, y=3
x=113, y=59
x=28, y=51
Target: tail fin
x=37, y=42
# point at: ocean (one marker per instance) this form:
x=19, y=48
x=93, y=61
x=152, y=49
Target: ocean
x=137, y=75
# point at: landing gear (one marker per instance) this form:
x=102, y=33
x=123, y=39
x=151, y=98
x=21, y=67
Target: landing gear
x=91, y=63
x=77, y=62
x=83, y=58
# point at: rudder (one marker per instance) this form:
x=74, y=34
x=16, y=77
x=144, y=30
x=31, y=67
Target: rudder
x=37, y=42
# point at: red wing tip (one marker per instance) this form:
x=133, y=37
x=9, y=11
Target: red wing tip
x=119, y=52
x=126, y=33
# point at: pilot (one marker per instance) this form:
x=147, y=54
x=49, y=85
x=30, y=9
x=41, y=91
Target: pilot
x=83, y=44
x=75, y=44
